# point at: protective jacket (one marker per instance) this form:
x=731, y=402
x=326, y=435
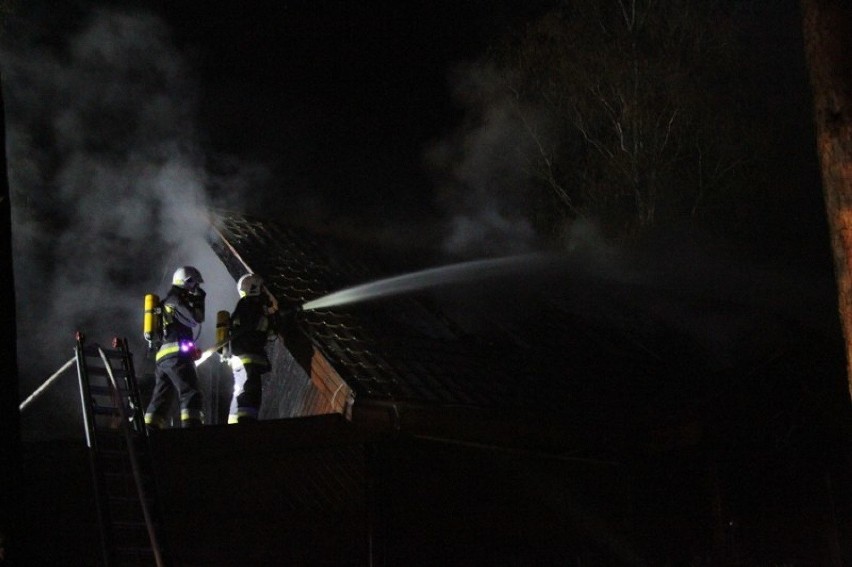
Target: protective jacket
x=182, y=312
x=251, y=328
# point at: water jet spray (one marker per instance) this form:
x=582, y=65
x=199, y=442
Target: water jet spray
x=470, y=271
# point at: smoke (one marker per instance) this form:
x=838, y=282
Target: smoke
x=486, y=172
x=109, y=191
x=482, y=172
x=701, y=287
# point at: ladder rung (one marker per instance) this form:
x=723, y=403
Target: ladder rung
x=116, y=439
x=136, y=537
x=134, y=551
x=125, y=475
x=106, y=390
x=105, y=428
x=132, y=556
x=132, y=535
x=114, y=459
x=128, y=513
x=116, y=472
x=106, y=410
x=102, y=371
x=94, y=352
x=112, y=445
x=130, y=499
x=120, y=452
x=111, y=453
x=125, y=524
x=124, y=485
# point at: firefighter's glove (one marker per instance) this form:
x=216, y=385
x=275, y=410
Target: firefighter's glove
x=270, y=309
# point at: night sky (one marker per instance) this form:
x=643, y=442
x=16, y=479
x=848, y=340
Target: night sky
x=323, y=112
x=347, y=98
x=340, y=98
x=340, y=105
x=330, y=109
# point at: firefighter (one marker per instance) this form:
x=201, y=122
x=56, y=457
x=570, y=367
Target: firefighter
x=182, y=314
x=253, y=322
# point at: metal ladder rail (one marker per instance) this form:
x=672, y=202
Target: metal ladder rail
x=111, y=465
x=127, y=422
x=134, y=422
x=104, y=518
x=137, y=417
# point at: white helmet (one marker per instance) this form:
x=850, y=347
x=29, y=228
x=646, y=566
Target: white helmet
x=249, y=285
x=187, y=277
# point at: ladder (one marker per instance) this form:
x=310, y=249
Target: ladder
x=119, y=455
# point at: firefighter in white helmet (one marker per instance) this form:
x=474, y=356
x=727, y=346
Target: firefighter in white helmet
x=253, y=324
x=182, y=315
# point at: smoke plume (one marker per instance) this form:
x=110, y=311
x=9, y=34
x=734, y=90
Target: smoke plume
x=703, y=287
x=108, y=189
x=482, y=180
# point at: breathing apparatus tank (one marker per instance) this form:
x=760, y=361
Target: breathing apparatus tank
x=152, y=323
x=223, y=334
x=223, y=327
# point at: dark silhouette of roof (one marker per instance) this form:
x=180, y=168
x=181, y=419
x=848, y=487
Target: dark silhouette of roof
x=563, y=352
x=568, y=413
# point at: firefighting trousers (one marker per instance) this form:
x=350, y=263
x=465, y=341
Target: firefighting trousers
x=248, y=390
x=175, y=374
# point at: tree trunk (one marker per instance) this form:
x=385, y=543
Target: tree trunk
x=828, y=44
x=10, y=432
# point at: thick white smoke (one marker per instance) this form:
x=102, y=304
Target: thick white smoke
x=108, y=192
x=701, y=287
x=483, y=174
x=487, y=169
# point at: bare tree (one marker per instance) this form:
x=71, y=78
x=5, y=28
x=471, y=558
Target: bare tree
x=629, y=106
x=828, y=42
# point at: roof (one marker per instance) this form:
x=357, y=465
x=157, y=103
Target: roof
x=578, y=357
x=511, y=414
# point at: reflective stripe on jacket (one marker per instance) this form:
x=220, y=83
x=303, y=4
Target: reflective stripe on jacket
x=167, y=350
x=258, y=359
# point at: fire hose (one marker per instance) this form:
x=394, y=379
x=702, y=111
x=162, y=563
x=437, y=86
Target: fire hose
x=53, y=377
x=45, y=385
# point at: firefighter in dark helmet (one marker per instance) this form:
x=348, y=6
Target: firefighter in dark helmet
x=253, y=323
x=182, y=314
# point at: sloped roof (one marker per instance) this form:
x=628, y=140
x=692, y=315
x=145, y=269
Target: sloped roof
x=547, y=365
x=399, y=348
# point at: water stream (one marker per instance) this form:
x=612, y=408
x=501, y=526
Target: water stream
x=463, y=272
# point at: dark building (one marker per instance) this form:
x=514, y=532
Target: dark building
x=521, y=418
